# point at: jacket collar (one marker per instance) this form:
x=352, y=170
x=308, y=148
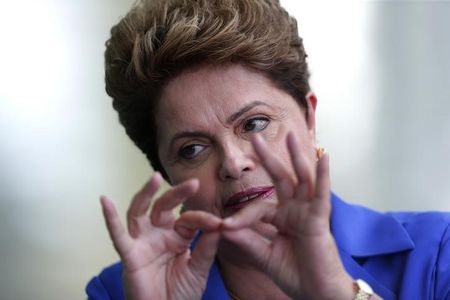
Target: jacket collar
x=362, y=232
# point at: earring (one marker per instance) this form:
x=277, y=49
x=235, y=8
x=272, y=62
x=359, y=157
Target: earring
x=320, y=152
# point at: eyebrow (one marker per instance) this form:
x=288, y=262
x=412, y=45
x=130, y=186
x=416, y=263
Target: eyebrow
x=189, y=134
x=243, y=110
x=230, y=119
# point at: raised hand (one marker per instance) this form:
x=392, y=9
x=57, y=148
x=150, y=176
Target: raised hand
x=302, y=258
x=155, y=249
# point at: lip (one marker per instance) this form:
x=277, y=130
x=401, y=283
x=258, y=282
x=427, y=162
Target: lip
x=241, y=199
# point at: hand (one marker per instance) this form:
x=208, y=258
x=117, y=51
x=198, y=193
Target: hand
x=302, y=258
x=155, y=250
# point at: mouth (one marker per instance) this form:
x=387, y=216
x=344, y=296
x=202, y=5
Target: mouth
x=242, y=199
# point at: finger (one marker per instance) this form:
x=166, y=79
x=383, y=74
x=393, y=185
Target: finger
x=262, y=211
x=321, y=204
x=120, y=238
x=161, y=214
x=204, y=254
x=301, y=169
x=141, y=202
x=284, y=183
x=190, y=222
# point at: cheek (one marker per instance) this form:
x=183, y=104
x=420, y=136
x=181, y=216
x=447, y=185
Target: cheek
x=307, y=144
x=205, y=198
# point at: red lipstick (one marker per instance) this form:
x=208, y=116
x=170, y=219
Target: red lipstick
x=241, y=199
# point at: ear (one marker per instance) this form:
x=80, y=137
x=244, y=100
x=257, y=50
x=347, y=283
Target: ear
x=311, y=103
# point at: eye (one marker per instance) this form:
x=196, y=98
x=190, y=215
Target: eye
x=190, y=151
x=256, y=124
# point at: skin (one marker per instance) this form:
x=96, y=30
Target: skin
x=199, y=105
x=156, y=261
x=223, y=130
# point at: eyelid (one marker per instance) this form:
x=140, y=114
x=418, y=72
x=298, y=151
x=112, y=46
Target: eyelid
x=245, y=121
x=183, y=137
x=190, y=144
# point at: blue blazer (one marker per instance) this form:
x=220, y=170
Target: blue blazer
x=403, y=255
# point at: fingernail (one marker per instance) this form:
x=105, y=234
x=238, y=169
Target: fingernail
x=195, y=182
x=257, y=138
x=228, y=221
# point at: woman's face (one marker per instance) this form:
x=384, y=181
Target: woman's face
x=206, y=118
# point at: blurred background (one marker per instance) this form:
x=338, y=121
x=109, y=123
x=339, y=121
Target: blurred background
x=381, y=71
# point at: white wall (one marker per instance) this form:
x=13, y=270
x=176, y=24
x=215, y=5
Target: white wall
x=412, y=46
x=381, y=72
x=61, y=147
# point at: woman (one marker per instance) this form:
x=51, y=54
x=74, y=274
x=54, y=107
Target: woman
x=216, y=94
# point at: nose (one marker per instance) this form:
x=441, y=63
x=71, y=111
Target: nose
x=236, y=161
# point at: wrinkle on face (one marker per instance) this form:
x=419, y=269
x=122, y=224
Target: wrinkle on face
x=211, y=101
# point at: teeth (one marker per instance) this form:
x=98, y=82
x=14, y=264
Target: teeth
x=248, y=198
x=253, y=197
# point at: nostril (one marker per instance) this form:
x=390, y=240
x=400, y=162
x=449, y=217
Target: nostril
x=235, y=162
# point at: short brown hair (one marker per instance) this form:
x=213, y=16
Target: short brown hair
x=158, y=39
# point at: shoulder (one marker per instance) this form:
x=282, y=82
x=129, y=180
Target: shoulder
x=430, y=232
x=107, y=285
x=405, y=253
x=408, y=230
x=431, y=218
x=425, y=228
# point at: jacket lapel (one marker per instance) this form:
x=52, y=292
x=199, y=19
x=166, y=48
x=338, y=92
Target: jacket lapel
x=361, y=233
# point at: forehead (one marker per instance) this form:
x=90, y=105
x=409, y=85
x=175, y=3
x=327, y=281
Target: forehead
x=214, y=92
